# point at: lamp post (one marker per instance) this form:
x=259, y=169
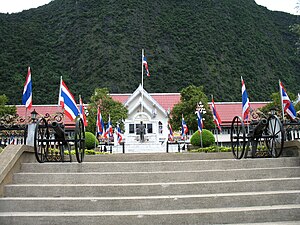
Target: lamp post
x=33, y=115
x=201, y=109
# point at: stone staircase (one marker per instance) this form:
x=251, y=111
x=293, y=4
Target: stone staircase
x=155, y=189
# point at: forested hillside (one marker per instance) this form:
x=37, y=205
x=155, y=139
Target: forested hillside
x=97, y=43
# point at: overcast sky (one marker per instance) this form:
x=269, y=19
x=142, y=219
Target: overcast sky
x=12, y=6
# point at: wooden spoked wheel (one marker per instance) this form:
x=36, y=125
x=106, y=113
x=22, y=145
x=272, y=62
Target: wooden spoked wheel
x=79, y=140
x=238, y=137
x=41, y=147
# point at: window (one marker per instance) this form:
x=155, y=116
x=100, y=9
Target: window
x=149, y=128
x=160, y=127
x=131, y=128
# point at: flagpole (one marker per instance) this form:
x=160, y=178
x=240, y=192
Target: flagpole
x=216, y=128
x=282, y=110
x=63, y=109
x=142, y=81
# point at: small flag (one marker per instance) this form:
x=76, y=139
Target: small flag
x=146, y=66
x=12, y=140
x=27, y=92
x=119, y=134
x=99, y=123
x=245, y=101
x=184, y=128
x=82, y=112
x=171, y=135
x=200, y=121
x=217, y=119
x=287, y=105
x=109, y=130
x=67, y=101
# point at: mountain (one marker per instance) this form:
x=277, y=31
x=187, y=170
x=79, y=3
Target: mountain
x=97, y=43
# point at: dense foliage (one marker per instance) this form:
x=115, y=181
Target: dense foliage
x=97, y=43
x=90, y=140
x=5, y=109
x=108, y=106
x=208, y=138
x=189, y=99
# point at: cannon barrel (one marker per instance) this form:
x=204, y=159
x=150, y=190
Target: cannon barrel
x=59, y=132
x=258, y=129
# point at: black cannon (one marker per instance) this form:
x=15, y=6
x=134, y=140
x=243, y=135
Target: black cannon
x=263, y=138
x=51, y=141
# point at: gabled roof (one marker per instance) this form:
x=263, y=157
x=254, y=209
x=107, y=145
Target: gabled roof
x=165, y=100
x=139, y=91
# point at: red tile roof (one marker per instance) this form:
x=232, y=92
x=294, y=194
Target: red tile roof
x=226, y=110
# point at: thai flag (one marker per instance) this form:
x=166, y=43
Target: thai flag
x=200, y=121
x=82, y=112
x=184, y=128
x=67, y=101
x=109, y=130
x=99, y=123
x=171, y=135
x=217, y=119
x=12, y=140
x=245, y=101
x=146, y=66
x=287, y=105
x=119, y=134
x=27, y=92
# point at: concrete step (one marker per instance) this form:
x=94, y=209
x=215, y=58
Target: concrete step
x=150, y=189
x=160, y=157
x=146, y=166
x=189, y=216
x=135, y=203
x=148, y=177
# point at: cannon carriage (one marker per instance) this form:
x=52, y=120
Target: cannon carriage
x=51, y=142
x=259, y=138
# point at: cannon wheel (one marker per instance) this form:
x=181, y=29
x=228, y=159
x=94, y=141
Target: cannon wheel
x=275, y=141
x=41, y=147
x=238, y=137
x=79, y=140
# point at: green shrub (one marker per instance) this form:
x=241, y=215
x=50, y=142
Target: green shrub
x=1, y=150
x=90, y=140
x=208, y=138
x=213, y=148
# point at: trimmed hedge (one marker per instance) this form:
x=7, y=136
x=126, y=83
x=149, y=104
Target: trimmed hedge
x=208, y=138
x=213, y=148
x=90, y=140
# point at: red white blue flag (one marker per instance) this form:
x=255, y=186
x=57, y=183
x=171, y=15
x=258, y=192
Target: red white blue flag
x=119, y=134
x=217, y=119
x=287, y=105
x=184, y=128
x=82, y=112
x=99, y=123
x=12, y=140
x=67, y=101
x=27, y=92
x=146, y=66
x=171, y=135
x=245, y=102
x=109, y=130
x=200, y=121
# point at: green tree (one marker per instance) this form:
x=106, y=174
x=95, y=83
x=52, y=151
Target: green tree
x=108, y=106
x=5, y=109
x=189, y=99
